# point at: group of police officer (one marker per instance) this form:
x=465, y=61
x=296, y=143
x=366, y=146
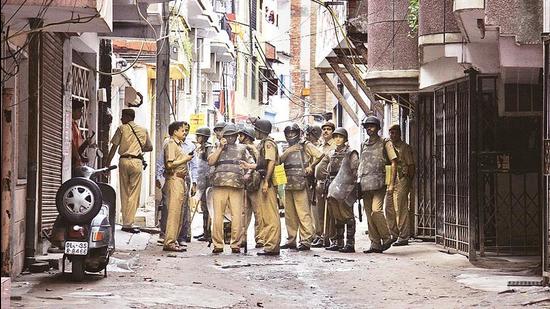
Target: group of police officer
x=324, y=180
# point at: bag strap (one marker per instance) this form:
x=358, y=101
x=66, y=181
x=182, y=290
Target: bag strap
x=139, y=142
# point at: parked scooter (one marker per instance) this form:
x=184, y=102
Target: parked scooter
x=88, y=209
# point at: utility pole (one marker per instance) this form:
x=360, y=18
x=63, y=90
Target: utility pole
x=163, y=80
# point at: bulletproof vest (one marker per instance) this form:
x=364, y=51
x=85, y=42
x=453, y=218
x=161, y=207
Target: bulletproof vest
x=295, y=164
x=335, y=162
x=373, y=166
x=227, y=172
x=261, y=166
x=342, y=187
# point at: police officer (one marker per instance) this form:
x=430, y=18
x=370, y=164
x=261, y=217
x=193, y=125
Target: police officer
x=175, y=161
x=266, y=196
x=375, y=153
x=131, y=140
x=247, y=137
x=218, y=128
x=299, y=161
x=324, y=231
x=398, y=215
x=199, y=175
x=313, y=134
x=228, y=181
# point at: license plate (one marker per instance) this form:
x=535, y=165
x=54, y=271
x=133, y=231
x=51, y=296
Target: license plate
x=76, y=248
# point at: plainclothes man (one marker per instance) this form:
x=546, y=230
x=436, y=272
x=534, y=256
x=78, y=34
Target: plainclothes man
x=375, y=154
x=299, y=161
x=397, y=210
x=323, y=230
x=78, y=143
x=199, y=174
x=266, y=196
x=132, y=141
x=176, y=188
x=247, y=137
x=342, y=167
x=228, y=181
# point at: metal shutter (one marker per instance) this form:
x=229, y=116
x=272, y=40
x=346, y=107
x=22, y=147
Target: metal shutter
x=51, y=126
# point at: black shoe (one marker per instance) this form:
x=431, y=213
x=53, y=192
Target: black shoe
x=326, y=244
x=373, y=250
x=268, y=253
x=133, y=230
x=387, y=244
x=347, y=249
x=318, y=244
x=235, y=250
x=334, y=248
x=259, y=245
x=303, y=247
x=400, y=243
x=198, y=236
x=217, y=250
x=288, y=246
x=203, y=238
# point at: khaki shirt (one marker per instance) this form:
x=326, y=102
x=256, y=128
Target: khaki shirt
x=127, y=141
x=270, y=151
x=253, y=150
x=313, y=152
x=405, y=159
x=174, y=152
x=321, y=172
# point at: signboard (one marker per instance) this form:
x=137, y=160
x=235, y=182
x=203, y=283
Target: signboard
x=196, y=121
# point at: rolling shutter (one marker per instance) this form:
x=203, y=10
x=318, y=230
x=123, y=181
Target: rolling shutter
x=51, y=126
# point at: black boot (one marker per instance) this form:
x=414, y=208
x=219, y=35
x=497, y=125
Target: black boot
x=339, y=243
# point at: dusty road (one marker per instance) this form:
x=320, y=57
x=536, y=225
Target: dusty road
x=417, y=276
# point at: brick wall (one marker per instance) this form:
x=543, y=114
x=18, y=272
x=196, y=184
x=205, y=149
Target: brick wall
x=295, y=50
x=318, y=88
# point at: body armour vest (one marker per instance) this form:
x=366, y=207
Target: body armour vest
x=373, y=166
x=295, y=164
x=342, y=187
x=335, y=162
x=227, y=172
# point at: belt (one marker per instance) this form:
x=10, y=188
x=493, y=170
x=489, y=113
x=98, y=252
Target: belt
x=235, y=162
x=130, y=157
x=181, y=175
x=288, y=166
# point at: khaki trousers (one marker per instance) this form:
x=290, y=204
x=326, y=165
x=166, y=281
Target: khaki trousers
x=397, y=210
x=320, y=218
x=175, y=198
x=234, y=198
x=298, y=216
x=252, y=207
x=270, y=220
x=129, y=174
x=373, y=202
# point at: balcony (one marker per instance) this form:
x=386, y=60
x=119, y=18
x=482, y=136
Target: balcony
x=73, y=15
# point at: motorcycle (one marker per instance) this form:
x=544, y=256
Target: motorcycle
x=87, y=208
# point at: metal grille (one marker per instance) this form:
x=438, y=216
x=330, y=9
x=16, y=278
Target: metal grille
x=439, y=167
x=80, y=91
x=425, y=209
x=51, y=126
x=546, y=161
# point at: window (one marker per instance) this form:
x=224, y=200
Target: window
x=523, y=97
x=253, y=81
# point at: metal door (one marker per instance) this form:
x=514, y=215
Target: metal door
x=51, y=126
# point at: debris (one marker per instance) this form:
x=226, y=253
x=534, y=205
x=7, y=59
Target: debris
x=196, y=282
x=538, y=301
x=507, y=291
x=236, y=266
x=92, y=294
x=16, y=297
x=49, y=290
x=328, y=260
x=259, y=304
x=171, y=255
x=50, y=297
x=254, y=264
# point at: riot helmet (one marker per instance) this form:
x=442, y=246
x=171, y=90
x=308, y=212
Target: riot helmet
x=263, y=125
x=371, y=120
x=314, y=131
x=204, y=131
x=293, y=134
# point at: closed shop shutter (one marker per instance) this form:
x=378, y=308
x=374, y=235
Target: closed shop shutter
x=51, y=126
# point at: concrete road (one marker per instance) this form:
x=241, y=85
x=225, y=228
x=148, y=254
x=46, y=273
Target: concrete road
x=418, y=276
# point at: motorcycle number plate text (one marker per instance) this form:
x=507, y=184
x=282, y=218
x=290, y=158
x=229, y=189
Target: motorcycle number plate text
x=76, y=247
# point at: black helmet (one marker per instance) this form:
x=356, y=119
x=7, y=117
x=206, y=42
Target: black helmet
x=293, y=128
x=229, y=129
x=293, y=134
x=220, y=125
x=263, y=125
x=204, y=131
x=314, y=131
x=341, y=131
x=247, y=131
x=371, y=120
x=328, y=124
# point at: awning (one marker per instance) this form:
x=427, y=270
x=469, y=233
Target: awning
x=177, y=71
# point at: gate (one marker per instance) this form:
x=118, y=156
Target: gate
x=425, y=198
x=546, y=162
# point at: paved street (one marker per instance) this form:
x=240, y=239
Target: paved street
x=415, y=276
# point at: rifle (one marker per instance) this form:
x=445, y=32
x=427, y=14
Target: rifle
x=359, y=195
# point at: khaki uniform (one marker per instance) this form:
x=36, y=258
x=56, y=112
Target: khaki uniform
x=130, y=168
x=228, y=191
x=175, y=190
x=297, y=206
x=321, y=175
x=397, y=204
x=251, y=207
x=270, y=220
x=374, y=155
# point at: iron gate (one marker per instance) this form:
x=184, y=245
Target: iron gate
x=546, y=164
x=425, y=199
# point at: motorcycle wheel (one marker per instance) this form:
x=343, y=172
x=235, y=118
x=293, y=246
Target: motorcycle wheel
x=78, y=269
x=78, y=200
